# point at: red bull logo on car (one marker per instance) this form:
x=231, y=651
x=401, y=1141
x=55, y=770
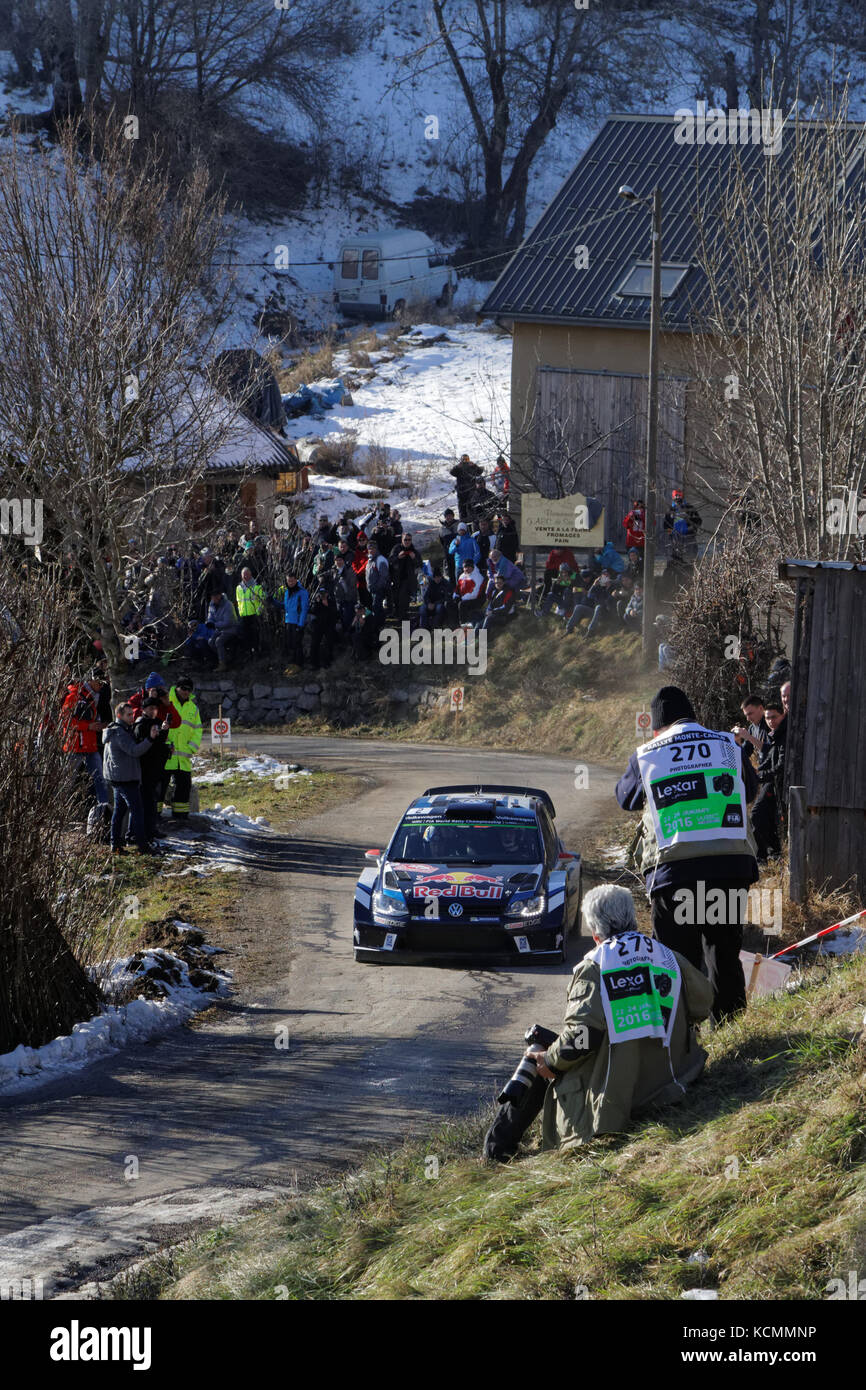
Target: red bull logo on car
x=458, y=885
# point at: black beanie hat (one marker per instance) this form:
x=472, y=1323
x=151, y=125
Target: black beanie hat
x=668, y=705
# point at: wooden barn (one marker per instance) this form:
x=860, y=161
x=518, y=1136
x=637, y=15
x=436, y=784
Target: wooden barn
x=825, y=762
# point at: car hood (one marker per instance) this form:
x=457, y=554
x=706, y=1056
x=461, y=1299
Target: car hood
x=448, y=880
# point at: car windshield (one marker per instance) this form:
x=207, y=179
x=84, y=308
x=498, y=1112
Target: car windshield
x=466, y=842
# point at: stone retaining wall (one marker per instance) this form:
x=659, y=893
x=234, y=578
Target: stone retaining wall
x=280, y=704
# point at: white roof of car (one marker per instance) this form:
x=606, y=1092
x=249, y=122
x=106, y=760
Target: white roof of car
x=395, y=241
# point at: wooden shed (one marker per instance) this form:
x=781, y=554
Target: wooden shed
x=825, y=770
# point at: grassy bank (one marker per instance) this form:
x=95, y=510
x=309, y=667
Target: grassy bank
x=282, y=799
x=542, y=692
x=759, y=1174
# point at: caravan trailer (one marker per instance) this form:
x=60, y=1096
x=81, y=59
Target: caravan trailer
x=378, y=274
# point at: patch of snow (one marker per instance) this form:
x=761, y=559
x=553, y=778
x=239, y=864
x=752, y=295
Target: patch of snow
x=114, y=1027
x=44, y=1250
x=259, y=765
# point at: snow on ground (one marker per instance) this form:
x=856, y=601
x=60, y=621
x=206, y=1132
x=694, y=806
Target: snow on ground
x=115, y=1027
x=45, y=1251
x=259, y=765
x=422, y=410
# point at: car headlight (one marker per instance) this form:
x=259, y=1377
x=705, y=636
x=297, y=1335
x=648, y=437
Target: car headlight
x=531, y=907
x=386, y=906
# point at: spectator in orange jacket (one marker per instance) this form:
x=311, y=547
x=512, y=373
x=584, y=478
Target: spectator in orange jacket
x=81, y=730
x=155, y=689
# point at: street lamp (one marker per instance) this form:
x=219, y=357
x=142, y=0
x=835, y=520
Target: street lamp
x=651, y=476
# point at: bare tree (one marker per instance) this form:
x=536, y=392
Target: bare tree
x=50, y=912
x=779, y=389
x=207, y=54
x=726, y=626
x=108, y=315
x=517, y=70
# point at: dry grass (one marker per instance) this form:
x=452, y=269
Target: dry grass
x=314, y=364
x=547, y=692
x=375, y=468
x=337, y=456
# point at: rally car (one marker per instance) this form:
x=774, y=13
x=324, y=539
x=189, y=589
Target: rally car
x=470, y=872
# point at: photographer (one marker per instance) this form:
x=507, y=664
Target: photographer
x=626, y=1043
x=152, y=727
x=696, y=850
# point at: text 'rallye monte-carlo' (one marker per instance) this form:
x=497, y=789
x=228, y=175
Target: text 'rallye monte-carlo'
x=470, y=872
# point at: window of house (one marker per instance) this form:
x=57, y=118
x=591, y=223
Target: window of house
x=350, y=265
x=221, y=499
x=639, y=281
x=371, y=265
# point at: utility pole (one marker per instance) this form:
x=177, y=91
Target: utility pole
x=651, y=481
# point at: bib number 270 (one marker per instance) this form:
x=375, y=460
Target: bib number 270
x=703, y=751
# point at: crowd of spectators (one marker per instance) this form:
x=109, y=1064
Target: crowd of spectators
x=299, y=595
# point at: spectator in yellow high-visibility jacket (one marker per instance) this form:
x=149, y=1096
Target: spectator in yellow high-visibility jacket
x=250, y=600
x=183, y=742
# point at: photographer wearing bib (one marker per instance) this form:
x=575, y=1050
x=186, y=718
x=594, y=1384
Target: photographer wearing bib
x=626, y=1043
x=696, y=849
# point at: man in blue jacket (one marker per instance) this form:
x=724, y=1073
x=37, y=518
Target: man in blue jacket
x=463, y=547
x=296, y=601
x=497, y=564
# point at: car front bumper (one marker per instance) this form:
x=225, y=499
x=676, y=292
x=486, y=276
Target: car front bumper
x=417, y=940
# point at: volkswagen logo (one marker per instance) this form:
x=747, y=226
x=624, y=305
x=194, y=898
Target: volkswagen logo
x=456, y=910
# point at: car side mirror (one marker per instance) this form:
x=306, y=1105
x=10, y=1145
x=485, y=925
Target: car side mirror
x=373, y=854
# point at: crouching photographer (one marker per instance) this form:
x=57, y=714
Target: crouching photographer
x=627, y=1041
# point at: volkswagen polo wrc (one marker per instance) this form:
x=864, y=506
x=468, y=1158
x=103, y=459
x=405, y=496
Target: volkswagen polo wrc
x=470, y=872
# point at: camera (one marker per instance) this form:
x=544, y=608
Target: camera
x=518, y=1085
x=723, y=784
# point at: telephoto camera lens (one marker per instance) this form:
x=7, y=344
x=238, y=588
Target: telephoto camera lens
x=517, y=1087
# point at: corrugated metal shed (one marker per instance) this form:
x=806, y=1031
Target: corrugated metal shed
x=540, y=282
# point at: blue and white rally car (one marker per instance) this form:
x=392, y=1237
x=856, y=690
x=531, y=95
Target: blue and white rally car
x=470, y=872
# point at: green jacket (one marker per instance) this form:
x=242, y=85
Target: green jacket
x=186, y=738
x=601, y=1087
x=250, y=600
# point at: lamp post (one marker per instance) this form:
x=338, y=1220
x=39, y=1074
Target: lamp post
x=652, y=439
x=652, y=434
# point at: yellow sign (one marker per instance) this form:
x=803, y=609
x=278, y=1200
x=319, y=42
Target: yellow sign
x=550, y=521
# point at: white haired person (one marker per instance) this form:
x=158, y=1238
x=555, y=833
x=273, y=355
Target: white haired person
x=627, y=1041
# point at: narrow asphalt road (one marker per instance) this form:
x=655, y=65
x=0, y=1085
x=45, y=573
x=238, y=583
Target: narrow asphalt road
x=218, y=1116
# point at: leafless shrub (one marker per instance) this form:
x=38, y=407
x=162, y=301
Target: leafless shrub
x=337, y=455
x=726, y=627
x=52, y=903
x=376, y=469
x=778, y=370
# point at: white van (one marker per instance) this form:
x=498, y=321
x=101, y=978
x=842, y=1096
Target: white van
x=376, y=275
